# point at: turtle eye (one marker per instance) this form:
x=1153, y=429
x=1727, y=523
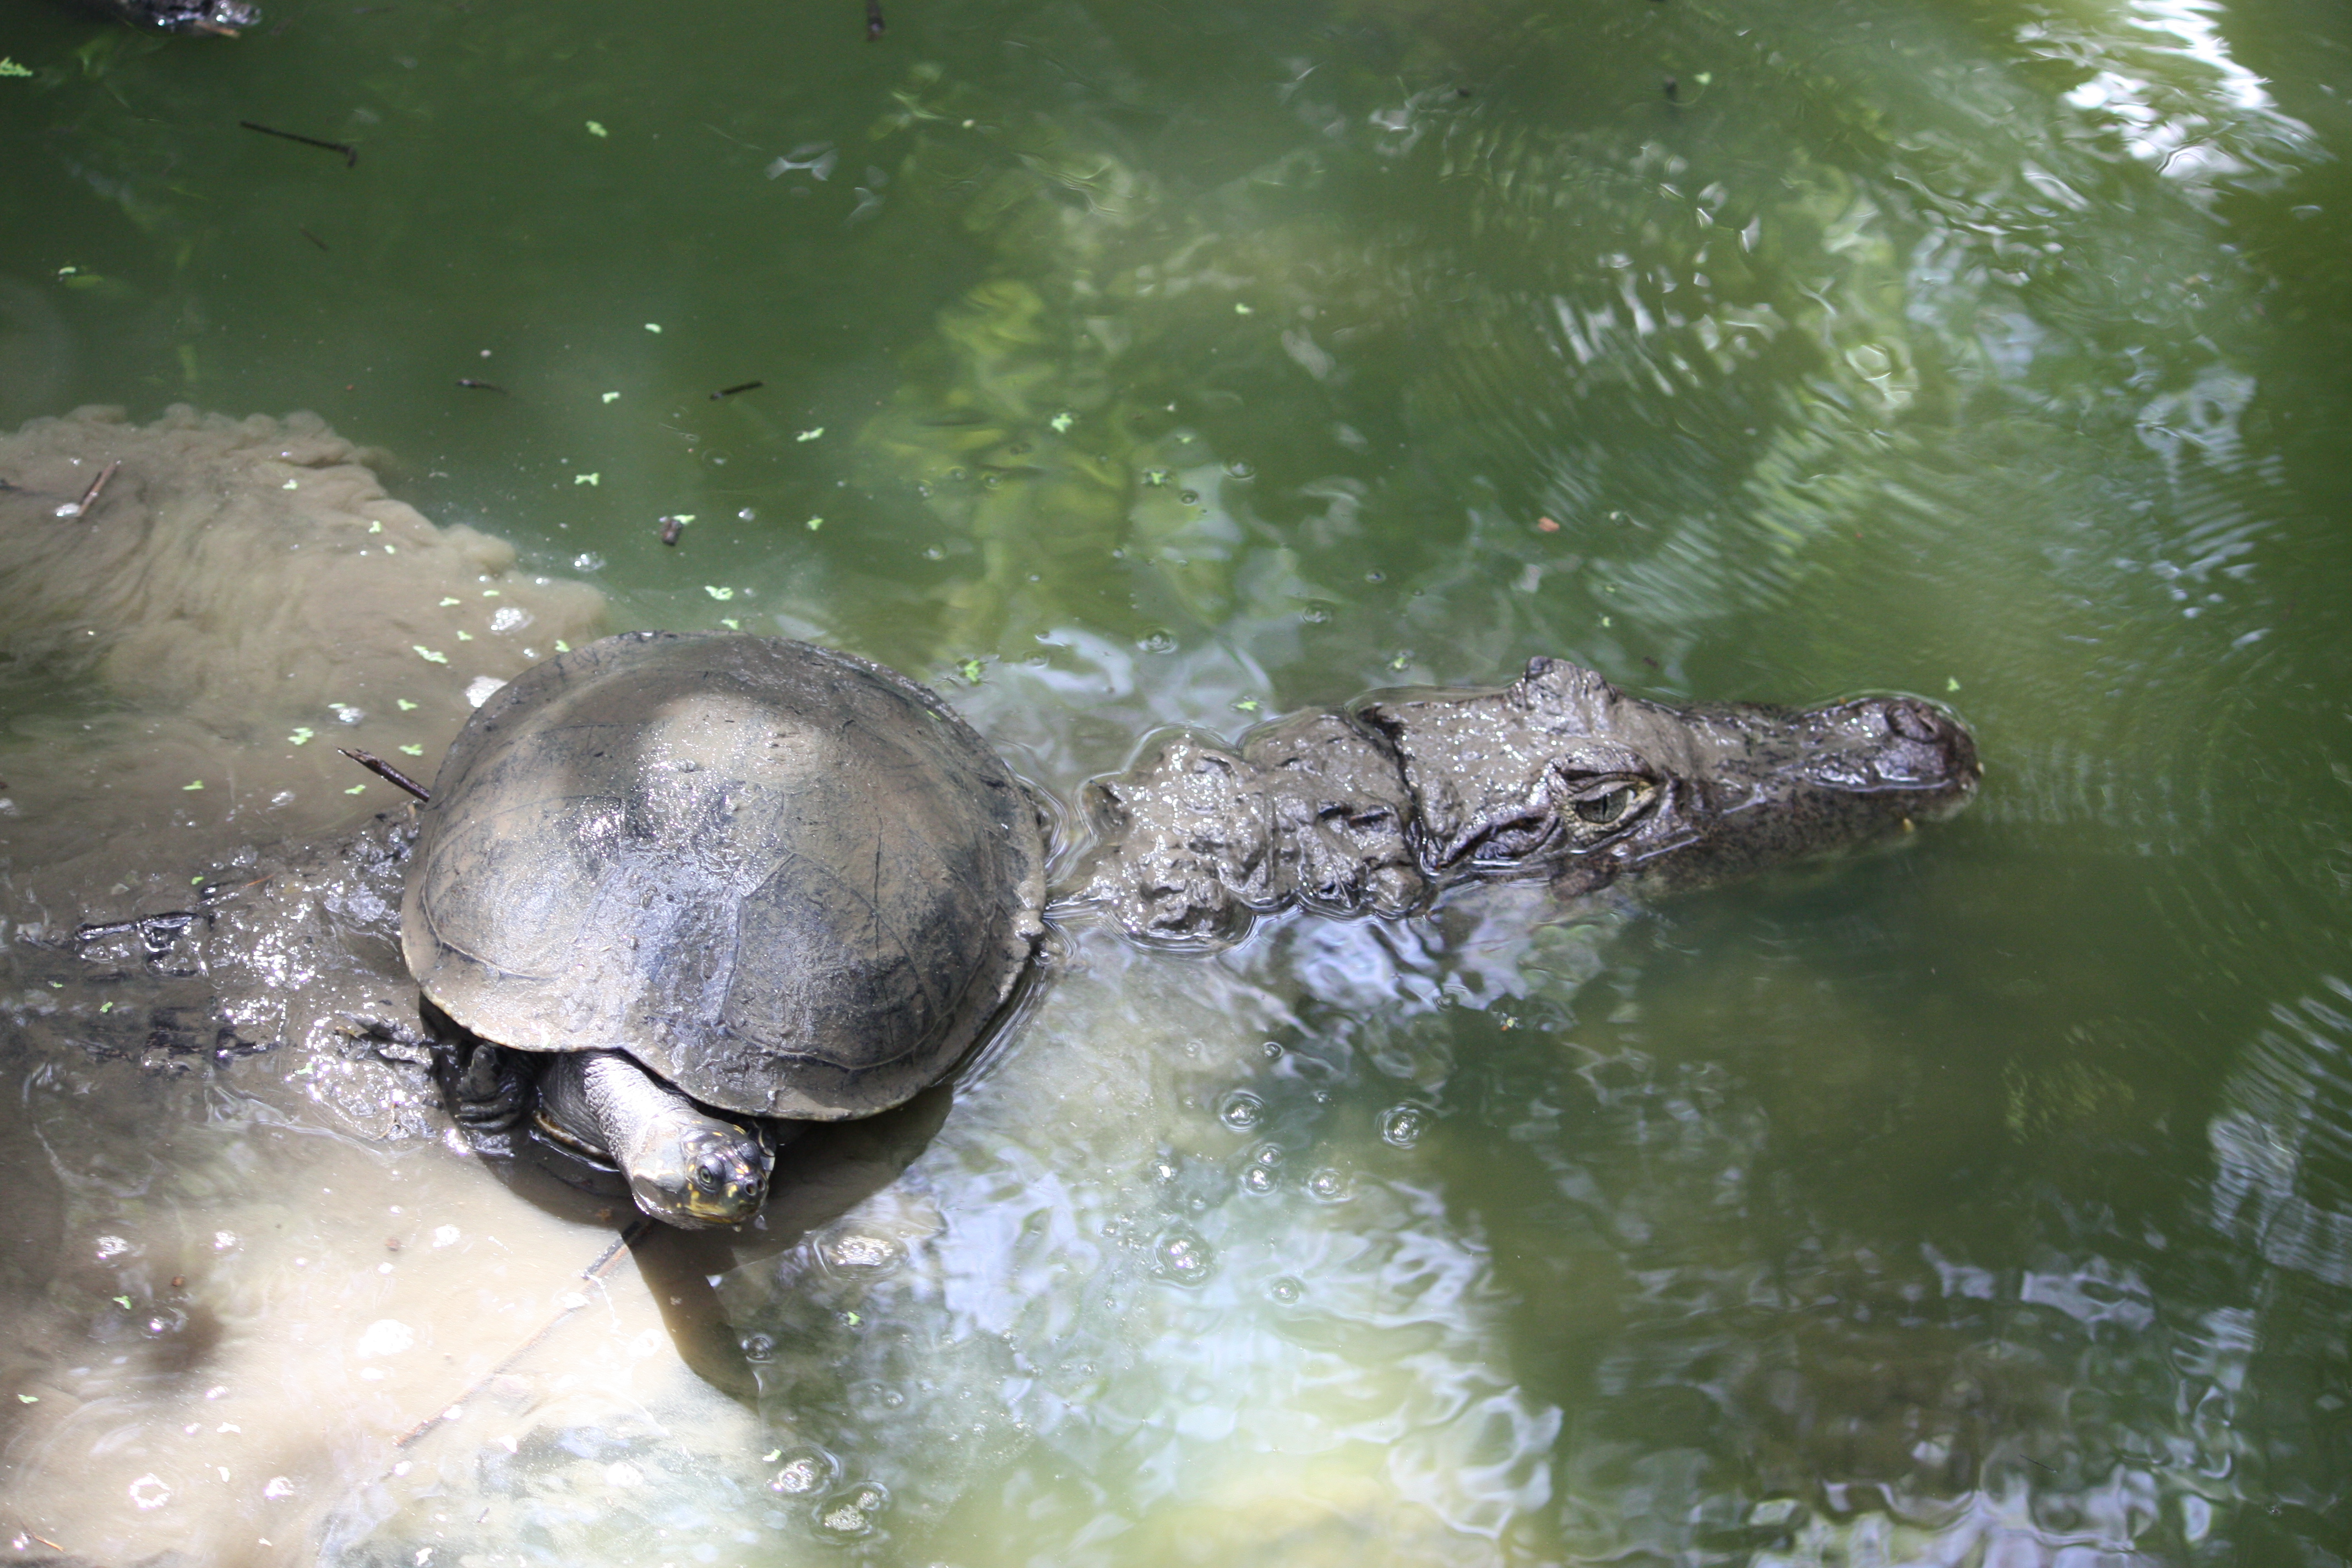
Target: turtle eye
x=710, y=1172
x=1609, y=806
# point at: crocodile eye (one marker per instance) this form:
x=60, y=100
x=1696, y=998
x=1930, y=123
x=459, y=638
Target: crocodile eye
x=1606, y=807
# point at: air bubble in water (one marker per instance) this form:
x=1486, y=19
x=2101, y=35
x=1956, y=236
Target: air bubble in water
x=1285, y=1290
x=758, y=1347
x=1190, y=498
x=1315, y=614
x=1328, y=1184
x=587, y=560
x=1157, y=642
x=1241, y=1111
x=1240, y=470
x=802, y=1473
x=1257, y=1179
x=1181, y=1257
x=1402, y=1125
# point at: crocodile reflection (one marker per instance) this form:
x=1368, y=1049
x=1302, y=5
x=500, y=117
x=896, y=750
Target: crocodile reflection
x=1559, y=775
x=223, y=18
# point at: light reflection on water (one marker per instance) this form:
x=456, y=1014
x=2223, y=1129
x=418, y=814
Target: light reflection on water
x=1984, y=1202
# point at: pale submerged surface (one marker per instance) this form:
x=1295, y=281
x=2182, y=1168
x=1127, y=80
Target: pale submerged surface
x=1123, y=366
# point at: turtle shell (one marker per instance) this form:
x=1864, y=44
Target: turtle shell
x=790, y=881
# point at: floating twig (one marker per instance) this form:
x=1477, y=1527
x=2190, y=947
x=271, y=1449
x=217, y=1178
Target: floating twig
x=671, y=528
x=313, y=238
x=351, y=153
x=89, y=497
x=731, y=391
x=480, y=385
x=386, y=771
x=873, y=20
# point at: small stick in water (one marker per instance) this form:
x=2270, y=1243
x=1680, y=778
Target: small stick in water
x=89, y=497
x=671, y=528
x=873, y=20
x=386, y=771
x=731, y=391
x=313, y=238
x=478, y=385
x=351, y=153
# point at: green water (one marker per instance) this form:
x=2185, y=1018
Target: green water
x=1126, y=365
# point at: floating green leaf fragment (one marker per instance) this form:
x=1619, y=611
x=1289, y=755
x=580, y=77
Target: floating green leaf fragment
x=377, y=527
x=391, y=549
x=106, y=1006
x=595, y=130
x=356, y=789
x=428, y=654
x=562, y=646
x=196, y=881
x=302, y=735
x=412, y=751
x=197, y=784
x=682, y=517
x=406, y=705
x=814, y=523
x=809, y=435
x=971, y=669
x=596, y=479
x=612, y=397
x=1951, y=684
x=653, y=326
x=35, y=1399
x=447, y=600
x=719, y=593
x=1604, y=620
x=1246, y=704
x=1155, y=477
x=1241, y=310
x=769, y=1457
x=10, y=67
x=1704, y=78
x=290, y=485
x=492, y=594
x=730, y=623
x=465, y=636
x=123, y=1301
x=1061, y=421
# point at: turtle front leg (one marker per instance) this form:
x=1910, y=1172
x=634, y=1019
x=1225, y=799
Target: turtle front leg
x=685, y=1167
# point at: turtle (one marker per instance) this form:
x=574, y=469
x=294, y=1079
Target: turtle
x=675, y=893
x=708, y=885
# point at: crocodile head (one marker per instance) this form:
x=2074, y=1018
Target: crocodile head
x=1561, y=775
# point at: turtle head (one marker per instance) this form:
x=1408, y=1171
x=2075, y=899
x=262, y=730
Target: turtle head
x=686, y=1166
x=693, y=1170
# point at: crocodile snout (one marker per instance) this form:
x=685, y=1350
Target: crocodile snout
x=1897, y=746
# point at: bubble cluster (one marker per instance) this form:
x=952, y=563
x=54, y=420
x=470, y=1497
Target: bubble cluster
x=1180, y=1258
x=849, y=1514
x=802, y=1472
x=1402, y=1125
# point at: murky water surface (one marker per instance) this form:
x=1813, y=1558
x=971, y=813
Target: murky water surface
x=1123, y=366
